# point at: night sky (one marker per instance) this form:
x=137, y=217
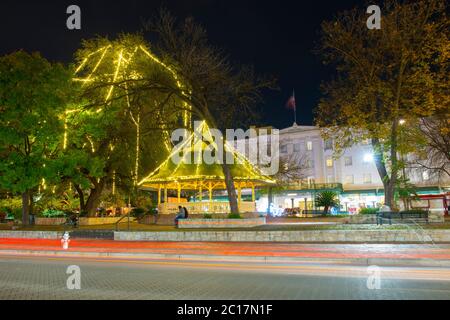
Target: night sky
x=276, y=36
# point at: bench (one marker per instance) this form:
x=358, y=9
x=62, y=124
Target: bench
x=403, y=216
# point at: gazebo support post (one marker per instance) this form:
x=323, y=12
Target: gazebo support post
x=210, y=196
x=159, y=195
x=253, y=193
x=239, y=194
x=179, y=192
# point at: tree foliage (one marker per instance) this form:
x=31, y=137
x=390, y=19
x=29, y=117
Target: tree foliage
x=33, y=95
x=383, y=76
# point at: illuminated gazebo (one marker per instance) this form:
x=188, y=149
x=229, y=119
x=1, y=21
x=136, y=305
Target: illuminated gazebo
x=201, y=177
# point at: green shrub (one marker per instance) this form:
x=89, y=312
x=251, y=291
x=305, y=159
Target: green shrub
x=369, y=210
x=138, y=212
x=12, y=207
x=234, y=216
x=207, y=216
x=53, y=213
x=327, y=200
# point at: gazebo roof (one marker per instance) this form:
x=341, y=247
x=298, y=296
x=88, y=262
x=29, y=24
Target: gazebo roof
x=190, y=175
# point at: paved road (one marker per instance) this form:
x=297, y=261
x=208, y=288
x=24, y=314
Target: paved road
x=245, y=249
x=45, y=278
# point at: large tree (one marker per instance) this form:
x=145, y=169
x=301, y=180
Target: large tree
x=213, y=89
x=33, y=95
x=117, y=133
x=383, y=77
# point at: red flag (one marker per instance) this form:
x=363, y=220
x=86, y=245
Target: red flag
x=291, y=103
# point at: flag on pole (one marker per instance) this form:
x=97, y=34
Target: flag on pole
x=291, y=102
x=292, y=106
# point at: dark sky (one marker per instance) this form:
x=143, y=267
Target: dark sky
x=276, y=36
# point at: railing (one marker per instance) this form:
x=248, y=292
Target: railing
x=409, y=216
x=123, y=217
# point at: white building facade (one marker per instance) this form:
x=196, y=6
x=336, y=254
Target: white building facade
x=353, y=175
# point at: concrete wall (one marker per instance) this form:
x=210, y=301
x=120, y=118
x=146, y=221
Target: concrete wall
x=168, y=219
x=85, y=221
x=31, y=234
x=221, y=223
x=41, y=221
x=318, y=236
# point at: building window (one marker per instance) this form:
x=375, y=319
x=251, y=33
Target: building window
x=328, y=144
x=425, y=176
x=330, y=179
x=348, y=161
x=367, y=178
x=311, y=181
x=310, y=164
x=349, y=179
x=309, y=146
x=329, y=162
x=297, y=147
x=283, y=149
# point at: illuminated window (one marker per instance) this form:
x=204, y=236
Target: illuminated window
x=367, y=178
x=330, y=179
x=329, y=162
x=311, y=180
x=349, y=179
x=348, y=161
x=425, y=176
x=328, y=144
x=309, y=145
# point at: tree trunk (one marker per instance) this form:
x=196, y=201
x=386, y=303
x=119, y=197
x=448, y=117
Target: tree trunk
x=229, y=182
x=325, y=210
x=25, y=208
x=394, y=163
x=80, y=196
x=382, y=171
x=231, y=190
x=389, y=192
x=93, y=199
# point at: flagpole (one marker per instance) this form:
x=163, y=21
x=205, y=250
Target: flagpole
x=295, y=107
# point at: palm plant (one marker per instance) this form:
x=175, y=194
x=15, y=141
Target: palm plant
x=327, y=199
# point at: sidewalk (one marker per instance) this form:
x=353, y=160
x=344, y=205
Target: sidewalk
x=360, y=254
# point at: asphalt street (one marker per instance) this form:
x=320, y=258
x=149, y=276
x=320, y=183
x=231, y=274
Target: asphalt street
x=112, y=278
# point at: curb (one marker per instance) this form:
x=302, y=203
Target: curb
x=230, y=258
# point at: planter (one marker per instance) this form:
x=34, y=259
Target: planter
x=42, y=221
